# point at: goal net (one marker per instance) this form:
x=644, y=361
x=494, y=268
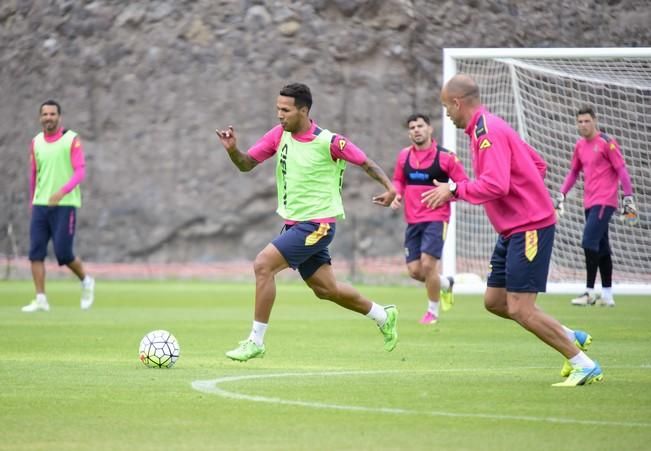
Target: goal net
x=538, y=91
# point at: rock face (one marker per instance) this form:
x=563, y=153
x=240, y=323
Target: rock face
x=146, y=83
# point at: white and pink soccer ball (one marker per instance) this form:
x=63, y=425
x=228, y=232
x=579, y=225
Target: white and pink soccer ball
x=159, y=349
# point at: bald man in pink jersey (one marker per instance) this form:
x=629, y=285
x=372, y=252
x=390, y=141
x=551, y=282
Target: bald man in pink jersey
x=600, y=159
x=509, y=181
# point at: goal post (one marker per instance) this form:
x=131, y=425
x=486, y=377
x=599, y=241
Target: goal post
x=538, y=92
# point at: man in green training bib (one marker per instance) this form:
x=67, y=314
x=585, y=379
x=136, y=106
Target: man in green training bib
x=310, y=164
x=57, y=168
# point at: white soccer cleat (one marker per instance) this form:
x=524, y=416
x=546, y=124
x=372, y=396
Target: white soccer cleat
x=35, y=306
x=584, y=299
x=602, y=302
x=87, y=294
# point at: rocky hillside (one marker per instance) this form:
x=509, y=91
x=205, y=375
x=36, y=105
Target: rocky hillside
x=146, y=83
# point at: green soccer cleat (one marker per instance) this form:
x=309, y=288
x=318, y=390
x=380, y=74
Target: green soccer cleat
x=390, y=328
x=245, y=351
x=447, y=296
x=582, y=376
x=582, y=340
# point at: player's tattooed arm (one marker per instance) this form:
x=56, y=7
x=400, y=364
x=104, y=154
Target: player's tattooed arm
x=243, y=161
x=375, y=172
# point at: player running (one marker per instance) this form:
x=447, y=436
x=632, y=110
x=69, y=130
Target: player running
x=310, y=164
x=417, y=166
x=509, y=184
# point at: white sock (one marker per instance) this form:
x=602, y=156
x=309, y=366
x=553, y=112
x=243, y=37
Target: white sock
x=607, y=293
x=257, y=333
x=445, y=283
x=590, y=291
x=87, y=281
x=378, y=314
x=581, y=361
x=434, y=307
x=41, y=298
x=570, y=333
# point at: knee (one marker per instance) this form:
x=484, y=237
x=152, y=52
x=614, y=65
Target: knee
x=495, y=304
x=519, y=313
x=416, y=274
x=324, y=292
x=492, y=306
x=261, y=266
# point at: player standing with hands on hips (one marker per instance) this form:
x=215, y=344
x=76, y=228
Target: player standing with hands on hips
x=508, y=182
x=599, y=157
x=57, y=168
x=310, y=163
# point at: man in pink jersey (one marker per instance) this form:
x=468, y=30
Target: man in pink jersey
x=57, y=168
x=417, y=166
x=598, y=156
x=310, y=166
x=509, y=182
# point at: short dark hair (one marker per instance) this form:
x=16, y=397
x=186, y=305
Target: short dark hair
x=586, y=109
x=415, y=117
x=51, y=103
x=300, y=92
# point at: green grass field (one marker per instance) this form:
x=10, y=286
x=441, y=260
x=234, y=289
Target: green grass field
x=71, y=379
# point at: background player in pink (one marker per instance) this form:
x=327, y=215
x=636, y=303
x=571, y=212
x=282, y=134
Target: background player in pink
x=309, y=174
x=417, y=166
x=57, y=167
x=509, y=181
x=598, y=156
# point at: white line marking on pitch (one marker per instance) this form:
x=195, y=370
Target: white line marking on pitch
x=212, y=386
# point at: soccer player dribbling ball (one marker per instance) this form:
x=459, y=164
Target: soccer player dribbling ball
x=507, y=185
x=417, y=166
x=600, y=159
x=310, y=164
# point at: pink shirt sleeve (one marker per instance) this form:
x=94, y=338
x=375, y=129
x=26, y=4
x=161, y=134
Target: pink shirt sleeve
x=617, y=160
x=266, y=146
x=342, y=149
x=32, y=173
x=571, y=177
x=399, y=172
x=494, y=163
x=538, y=161
x=452, y=166
x=78, y=166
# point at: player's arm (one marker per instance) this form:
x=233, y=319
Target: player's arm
x=32, y=174
x=78, y=162
x=568, y=183
x=538, y=161
x=375, y=172
x=494, y=157
x=243, y=161
x=342, y=148
x=399, y=179
x=629, y=210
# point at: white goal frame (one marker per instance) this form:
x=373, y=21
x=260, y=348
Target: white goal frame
x=474, y=284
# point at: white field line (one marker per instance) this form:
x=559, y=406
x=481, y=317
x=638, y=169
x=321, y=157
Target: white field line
x=212, y=386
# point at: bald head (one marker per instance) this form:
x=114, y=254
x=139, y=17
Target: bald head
x=462, y=86
x=460, y=98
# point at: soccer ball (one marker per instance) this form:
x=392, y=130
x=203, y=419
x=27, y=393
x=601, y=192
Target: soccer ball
x=159, y=349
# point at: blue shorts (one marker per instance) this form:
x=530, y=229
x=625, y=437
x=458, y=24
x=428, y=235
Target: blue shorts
x=57, y=223
x=305, y=246
x=520, y=263
x=424, y=237
x=595, y=232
